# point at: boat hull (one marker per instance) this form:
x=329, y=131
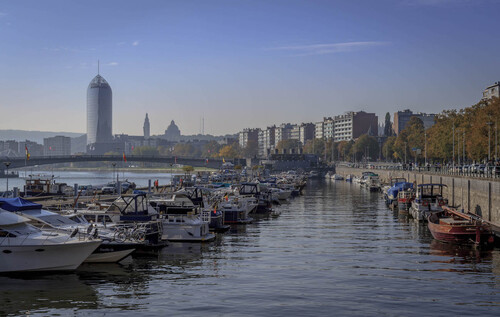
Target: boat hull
x=187, y=233
x=458, y=234
x=108, y=257
x=54, y=257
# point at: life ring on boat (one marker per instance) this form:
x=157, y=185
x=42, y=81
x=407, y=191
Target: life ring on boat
x=425, y=203
x=441, y=202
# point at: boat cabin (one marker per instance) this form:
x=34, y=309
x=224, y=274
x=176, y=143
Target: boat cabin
x=249, y=189
x=133, y=208
x=430, y=190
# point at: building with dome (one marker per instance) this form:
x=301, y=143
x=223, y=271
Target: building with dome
x=173, y=133
x=99, y=115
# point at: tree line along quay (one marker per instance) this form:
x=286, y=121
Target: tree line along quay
x=458, y=137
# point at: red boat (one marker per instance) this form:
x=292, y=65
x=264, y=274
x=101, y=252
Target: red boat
x=454, y=226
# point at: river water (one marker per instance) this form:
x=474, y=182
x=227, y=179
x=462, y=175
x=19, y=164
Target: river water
x=335, y=251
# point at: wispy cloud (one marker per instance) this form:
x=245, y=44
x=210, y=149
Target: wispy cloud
x=440, y=2
x=121, y=43
x=2, y=14
x=68, y=49
x=135, y=43
x=329, y=48
x=112, y=64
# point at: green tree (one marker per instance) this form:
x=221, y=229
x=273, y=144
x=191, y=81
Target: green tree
x=412, y=137
x=388, y=148
x=365, y=147
x=186, y=150
x=288, y=145
x=388, y=125
x=315, y=146
x=251, y=150
x=344, y=149
x=211, y=149
x=187, y=169
x=145, y=150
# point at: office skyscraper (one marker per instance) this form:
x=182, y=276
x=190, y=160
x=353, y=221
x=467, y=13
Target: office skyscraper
x=99, y=111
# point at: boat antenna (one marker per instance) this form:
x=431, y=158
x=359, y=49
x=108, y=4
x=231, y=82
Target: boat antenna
x=97, y=67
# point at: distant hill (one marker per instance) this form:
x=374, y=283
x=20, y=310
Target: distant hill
x=78, y=140
x=36, y=136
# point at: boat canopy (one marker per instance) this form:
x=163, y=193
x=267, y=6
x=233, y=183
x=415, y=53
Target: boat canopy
x=394, y=190
x=430, y=190
x=8, y=218
x=18, y=204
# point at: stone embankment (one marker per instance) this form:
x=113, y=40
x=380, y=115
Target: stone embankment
x=476, y=195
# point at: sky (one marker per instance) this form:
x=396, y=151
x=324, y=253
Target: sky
x=241, y=63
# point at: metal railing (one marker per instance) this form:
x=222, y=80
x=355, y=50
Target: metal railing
x=476, y=171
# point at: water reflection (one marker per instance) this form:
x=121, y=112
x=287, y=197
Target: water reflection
x=23, y=294
x=337, y=248
x=462, y=254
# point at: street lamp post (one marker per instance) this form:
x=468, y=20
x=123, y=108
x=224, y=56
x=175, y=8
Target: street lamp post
x=453, y=154
x=113, y=179
x=463, y=144
x=496, y=141
x=489, y=139
x=405, y=152
x=425, y=146
x=7, y=164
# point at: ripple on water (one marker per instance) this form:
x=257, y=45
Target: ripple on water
x=337, y=250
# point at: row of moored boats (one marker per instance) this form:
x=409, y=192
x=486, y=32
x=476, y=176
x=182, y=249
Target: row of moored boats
x=34, y=237
x=427, y=203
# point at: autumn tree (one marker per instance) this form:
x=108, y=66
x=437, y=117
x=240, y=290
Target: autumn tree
x=187, y=169
x=412, y=137
x=440, y=135
x=251, y=150
x=388, y=148
x=186, y=150
x=145, y=150
x=344, y=149
x=230, y=151
x=365, y=146
x=315, y=146
x=288, y=145
x=211, y=149
x=476, y=128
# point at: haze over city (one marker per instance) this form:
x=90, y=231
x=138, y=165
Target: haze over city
x=241, y=64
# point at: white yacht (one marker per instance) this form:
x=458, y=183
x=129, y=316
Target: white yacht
x=181, y=219
x=24, y=247
x=110, y=251
x=280, y=194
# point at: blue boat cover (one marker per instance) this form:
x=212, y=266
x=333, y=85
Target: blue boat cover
x=394, y=190
x=18, y=204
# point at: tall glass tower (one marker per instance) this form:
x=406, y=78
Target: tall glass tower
x=99, y=111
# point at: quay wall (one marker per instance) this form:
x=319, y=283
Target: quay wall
x=479, y=196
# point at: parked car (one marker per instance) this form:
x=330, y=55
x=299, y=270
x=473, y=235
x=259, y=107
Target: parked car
x=108, y=190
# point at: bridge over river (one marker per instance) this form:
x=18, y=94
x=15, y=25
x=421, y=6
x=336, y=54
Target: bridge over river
x=167, y=160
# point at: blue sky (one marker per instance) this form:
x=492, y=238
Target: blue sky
x=241, y=63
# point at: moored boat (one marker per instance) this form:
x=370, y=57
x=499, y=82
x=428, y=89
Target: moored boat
x=450, y=225
x=28, y=248
x=428, y=199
